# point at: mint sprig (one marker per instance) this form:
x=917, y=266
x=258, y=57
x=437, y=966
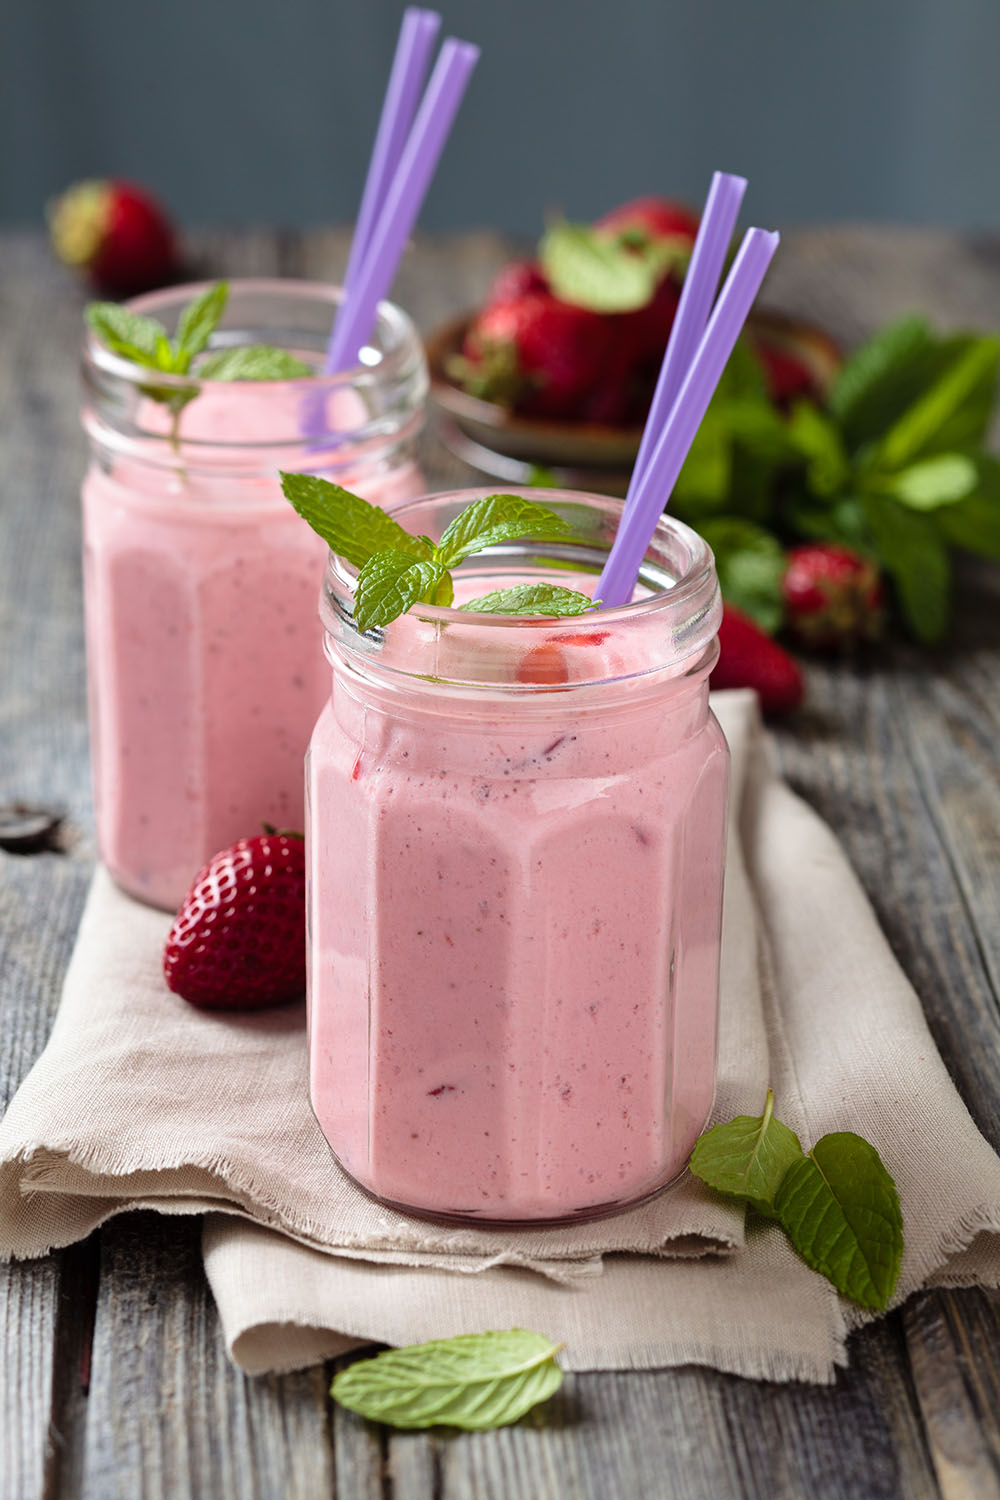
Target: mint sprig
x=837, y=1203
x=397, y=570
x=475, y=1381
x=146, y=342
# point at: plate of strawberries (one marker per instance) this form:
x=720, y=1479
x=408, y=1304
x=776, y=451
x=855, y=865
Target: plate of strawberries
x=558, y=366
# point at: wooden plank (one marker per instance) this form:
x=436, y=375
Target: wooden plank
x=689, y=1434
x=168, y=1415
x=43, y=761
x=953, y=1342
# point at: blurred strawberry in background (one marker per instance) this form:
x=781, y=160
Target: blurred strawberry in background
x=116, y=234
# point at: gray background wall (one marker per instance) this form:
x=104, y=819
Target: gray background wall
x=246, y=111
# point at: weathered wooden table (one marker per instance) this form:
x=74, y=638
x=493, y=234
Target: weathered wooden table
x=113, y=1378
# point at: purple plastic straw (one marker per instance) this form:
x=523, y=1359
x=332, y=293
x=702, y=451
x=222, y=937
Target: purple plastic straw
x=409, y=69
x=403, y=201
x=678, y=432
x=715, y=231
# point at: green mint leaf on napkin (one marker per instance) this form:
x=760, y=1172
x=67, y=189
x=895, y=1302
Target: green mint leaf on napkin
x=476, y=1381
x=497, y=518
x=837, y=1204
x=197, y=323
x=840, y=1209
x=748, y=1157
x=349, y=525
x=389, y=583
x=595, y=271
x=253, y=362
x=539, y=599
x=397, y=569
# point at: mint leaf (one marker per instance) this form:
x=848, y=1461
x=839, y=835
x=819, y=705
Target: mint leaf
x=197, y=323
x=475, y=1381
x=748, y=1157
x=817, y=439
x=590, y=270
x=934, y=481
x=253, y=362
x=970, y=377
x=910, y=548
x=974, y=523
x=389, y=583
x=142, y=340
x=541, y=599
x=880, y=379
x=840, y=1209
x=497, y=518
x=750, y=563
x=349, y=525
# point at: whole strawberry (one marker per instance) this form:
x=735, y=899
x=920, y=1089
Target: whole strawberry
x=534, y=354
x=834, y=597
x=652, y=218
x=115, y=232
x=239, y=939
x=750, y=659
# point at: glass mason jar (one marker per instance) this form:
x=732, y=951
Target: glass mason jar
x=515, y=854
x=204, y=670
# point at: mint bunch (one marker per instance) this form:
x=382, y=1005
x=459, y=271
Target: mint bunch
x=836, y=1203
x=475, y=1381
x=397, y=569
x=895, y=466
x=146, y=342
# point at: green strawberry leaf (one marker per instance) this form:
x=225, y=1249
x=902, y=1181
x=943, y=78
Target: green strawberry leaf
x=750, y=563
x=497, y=518
x=389, y=583
x=475, y=1381
x=591, y=270
x=910, y=548
x=948, y=414
x=142, y=340
x=934, y=481
x=253, y=362
x=840, y=1209
x=541, y=599
x=349, y=525
x=197, y=323
x=748, y=1157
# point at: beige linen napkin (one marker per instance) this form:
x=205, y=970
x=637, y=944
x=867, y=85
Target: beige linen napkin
x=139, y=1101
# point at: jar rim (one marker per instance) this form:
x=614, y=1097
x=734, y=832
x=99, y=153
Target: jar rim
x=394, y=337
x=700, y=568
x=664, y=630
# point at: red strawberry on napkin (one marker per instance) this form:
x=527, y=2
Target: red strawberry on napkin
x=239, y=939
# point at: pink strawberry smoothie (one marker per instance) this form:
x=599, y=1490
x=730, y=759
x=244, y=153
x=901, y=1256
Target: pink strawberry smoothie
x=205, y=671
x=515, y=902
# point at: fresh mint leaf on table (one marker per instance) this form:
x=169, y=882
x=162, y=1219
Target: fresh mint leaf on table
x=837, y=1203
x=397, y=570
x=145, y=342
x=475, y=1381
